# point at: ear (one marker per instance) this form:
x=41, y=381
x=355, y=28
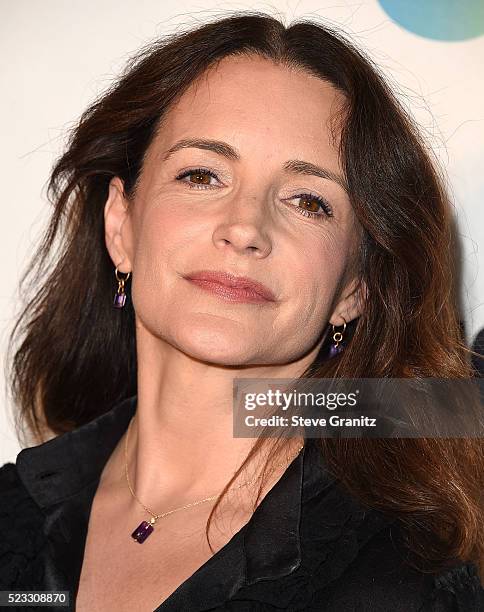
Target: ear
x=118, y=226
x=351, y=304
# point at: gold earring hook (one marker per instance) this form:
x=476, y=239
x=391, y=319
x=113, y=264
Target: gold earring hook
x=122, y=280
x=338, y=336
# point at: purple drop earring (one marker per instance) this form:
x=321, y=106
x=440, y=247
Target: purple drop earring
x=120, y=295
x=338, y=346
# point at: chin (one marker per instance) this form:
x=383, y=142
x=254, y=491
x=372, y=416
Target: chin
x=223, y=348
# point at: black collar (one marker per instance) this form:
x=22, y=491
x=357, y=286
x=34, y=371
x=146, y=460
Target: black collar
x=62, y=476
x=61, y=467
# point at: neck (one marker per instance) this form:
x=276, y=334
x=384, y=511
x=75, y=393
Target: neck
x=181, y=444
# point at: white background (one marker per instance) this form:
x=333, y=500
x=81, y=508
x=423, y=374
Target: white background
x=57, y=55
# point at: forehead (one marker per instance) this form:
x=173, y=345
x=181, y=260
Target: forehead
x=254, y=101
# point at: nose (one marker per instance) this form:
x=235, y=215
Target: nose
x=243, y=229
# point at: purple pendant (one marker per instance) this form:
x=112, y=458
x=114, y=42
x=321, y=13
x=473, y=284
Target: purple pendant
x=335, y=350
x=119, y=300
x=141, y=532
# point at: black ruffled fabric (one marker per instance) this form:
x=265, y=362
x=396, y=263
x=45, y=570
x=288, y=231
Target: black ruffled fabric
x=460, y=586
x=351, y=561
x=361, y=569
x=21, y=536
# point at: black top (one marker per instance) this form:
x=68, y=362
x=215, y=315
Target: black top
x=308, y=546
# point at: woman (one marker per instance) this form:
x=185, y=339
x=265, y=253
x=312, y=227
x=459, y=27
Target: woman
x=253, y=190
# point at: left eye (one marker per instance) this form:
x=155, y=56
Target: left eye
x=313, y=202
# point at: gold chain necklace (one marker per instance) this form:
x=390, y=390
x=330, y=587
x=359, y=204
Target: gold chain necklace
x=145, y=528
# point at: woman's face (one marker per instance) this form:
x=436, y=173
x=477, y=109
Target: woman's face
x=258, y=209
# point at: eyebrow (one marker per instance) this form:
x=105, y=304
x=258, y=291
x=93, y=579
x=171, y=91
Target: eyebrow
x=294, y=166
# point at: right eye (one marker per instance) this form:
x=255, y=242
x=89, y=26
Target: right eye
x=202, y=178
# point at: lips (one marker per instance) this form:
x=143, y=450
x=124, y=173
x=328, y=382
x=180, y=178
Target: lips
x=236, y=285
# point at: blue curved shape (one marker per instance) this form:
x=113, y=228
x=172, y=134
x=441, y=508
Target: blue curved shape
x=449, y=20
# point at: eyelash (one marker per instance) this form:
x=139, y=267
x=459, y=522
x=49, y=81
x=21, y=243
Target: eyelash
x=328, y=212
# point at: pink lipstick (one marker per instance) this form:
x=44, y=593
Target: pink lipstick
x=230, y=287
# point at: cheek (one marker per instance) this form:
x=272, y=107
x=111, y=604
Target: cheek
x=157, y=243
x=315, y=277
x=163, y=236
x=164, y=245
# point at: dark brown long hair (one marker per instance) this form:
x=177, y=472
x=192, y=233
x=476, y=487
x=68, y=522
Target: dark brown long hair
x=75, y=360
